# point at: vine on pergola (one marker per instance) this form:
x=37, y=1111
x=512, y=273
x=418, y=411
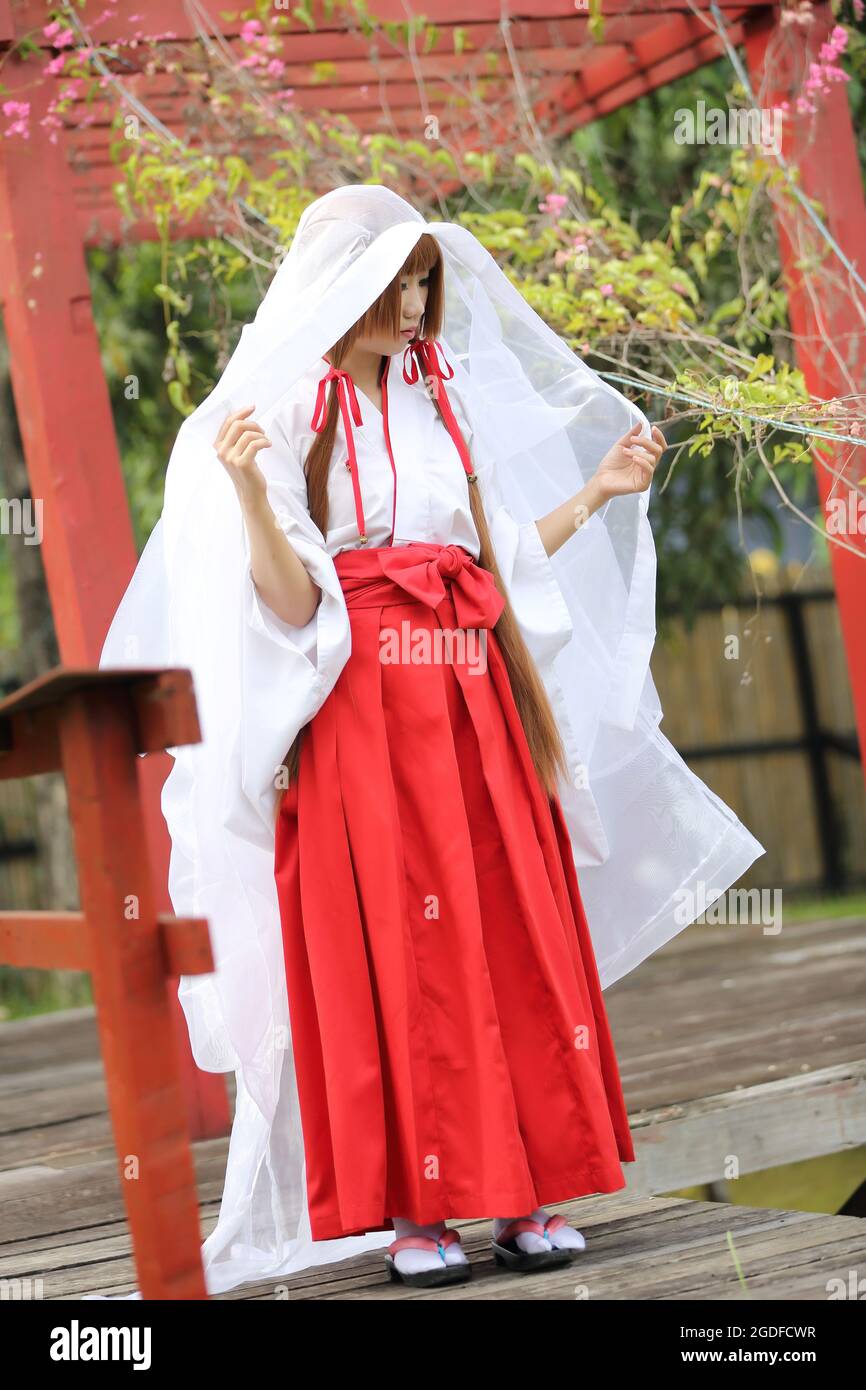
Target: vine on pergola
x=637, y=309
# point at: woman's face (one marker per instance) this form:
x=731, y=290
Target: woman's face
x=414, y=290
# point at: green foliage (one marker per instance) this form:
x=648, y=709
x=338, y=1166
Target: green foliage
x=656, y=260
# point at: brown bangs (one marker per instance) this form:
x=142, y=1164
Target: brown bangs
x=383, y=316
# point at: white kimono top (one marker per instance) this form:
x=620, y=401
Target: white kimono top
x=413, y=486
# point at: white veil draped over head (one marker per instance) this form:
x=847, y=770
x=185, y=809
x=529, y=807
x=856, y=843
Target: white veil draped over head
x=648, y=836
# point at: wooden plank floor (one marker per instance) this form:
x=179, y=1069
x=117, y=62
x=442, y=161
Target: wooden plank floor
x=730, y=1043
x=643, y=1249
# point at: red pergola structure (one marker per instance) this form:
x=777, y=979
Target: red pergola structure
x=55, y=199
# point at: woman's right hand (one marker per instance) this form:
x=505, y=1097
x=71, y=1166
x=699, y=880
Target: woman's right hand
x=237, y=444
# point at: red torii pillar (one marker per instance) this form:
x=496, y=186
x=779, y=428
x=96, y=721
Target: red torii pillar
x=830, y=171
x=64, y=415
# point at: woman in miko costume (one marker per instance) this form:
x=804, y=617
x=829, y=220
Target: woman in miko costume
x=405, y=552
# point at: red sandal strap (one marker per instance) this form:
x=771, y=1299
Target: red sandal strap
x=413, y=1243
x=518, y=1228
x=555, y=1223
x=448, y=1237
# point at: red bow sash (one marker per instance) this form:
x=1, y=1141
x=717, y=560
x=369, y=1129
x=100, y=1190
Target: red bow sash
x=426, y=571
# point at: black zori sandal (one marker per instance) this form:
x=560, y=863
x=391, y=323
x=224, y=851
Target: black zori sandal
x=425, y=1278
x=507, y=1252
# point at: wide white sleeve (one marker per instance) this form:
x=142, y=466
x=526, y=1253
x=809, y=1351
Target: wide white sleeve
x=288, y=671
x=287, y=495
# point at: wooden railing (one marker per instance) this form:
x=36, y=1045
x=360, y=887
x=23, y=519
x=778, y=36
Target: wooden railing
x=91, y=725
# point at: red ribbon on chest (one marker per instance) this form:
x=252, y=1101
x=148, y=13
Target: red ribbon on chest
x=421, y=357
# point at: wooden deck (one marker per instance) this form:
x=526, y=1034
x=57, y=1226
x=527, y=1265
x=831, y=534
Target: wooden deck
x=730, y=1043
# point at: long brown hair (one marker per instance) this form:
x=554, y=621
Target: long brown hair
x=530, y=696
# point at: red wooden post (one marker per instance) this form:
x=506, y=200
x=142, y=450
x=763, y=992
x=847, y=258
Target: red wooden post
x=92, y=724
x=64, y=414
x=824, y=148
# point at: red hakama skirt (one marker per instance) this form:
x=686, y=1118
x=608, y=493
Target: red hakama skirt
x=452, y=1049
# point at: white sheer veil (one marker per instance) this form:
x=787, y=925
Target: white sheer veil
x=645, y=831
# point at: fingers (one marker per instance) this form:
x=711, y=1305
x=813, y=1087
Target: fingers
x=229, y=421
x=245, y=448
x=237, y=435
x=244, y=459
x=648, y=451
x=629, y=436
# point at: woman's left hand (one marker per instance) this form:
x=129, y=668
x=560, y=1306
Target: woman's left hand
x=630, y=464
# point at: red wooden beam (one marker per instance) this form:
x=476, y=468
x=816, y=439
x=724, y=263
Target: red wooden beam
x=64, y=415
x=44, y=940
x=58, y=941
x=824, y=147
x=620, y=84
x=64, y=412
x=161, y=16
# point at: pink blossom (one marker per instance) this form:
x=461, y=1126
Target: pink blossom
x=64, y=40
x=276, y=67
x=250, y=30
x=553, y=203
x=605, y=290
x=51, y=29
x=55, y=66
x=21, y=109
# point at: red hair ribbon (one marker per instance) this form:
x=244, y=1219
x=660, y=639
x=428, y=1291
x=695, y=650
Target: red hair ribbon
x=350, y=410
x=425, y=354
